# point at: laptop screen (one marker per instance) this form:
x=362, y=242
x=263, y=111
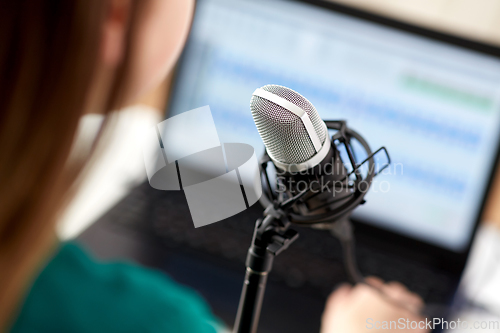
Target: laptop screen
x=435, y=106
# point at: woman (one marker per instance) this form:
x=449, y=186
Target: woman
x=61, y=59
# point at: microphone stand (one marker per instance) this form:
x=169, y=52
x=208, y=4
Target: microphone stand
x=271, y=237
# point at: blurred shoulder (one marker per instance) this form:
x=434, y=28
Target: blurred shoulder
x=78, y=294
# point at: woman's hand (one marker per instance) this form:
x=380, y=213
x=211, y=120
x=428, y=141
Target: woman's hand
x=363, y=308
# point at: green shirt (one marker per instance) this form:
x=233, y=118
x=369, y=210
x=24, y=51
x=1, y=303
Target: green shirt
x=75, y=294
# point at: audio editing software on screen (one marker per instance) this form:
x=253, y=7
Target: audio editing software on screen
x=435, y=107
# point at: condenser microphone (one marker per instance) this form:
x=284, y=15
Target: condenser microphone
x=307, y=159
x=295, y=137
x=299, y=146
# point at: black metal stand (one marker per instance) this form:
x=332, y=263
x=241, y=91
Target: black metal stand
x=271, y=236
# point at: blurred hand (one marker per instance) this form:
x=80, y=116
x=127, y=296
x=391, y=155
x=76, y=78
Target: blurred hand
x=364, y=309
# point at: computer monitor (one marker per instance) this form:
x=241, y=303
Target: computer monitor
x=433, y=104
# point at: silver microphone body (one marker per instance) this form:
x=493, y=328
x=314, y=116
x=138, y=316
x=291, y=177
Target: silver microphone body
x=295, y=137
x=298, y=143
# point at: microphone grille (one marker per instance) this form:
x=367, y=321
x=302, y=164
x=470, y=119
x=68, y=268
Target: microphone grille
x=283, y=132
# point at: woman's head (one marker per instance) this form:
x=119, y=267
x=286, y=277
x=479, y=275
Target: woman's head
x=60, y=59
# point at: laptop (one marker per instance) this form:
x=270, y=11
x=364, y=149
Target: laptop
x=433, y=100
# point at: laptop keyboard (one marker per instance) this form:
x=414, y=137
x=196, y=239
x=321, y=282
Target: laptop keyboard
x=314, y=261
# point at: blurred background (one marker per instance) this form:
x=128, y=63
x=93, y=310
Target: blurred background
x=433, y=105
